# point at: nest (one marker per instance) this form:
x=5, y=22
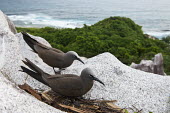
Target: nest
x=74, y=105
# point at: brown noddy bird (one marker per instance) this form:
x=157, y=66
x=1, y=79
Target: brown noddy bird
x=51, y=56
x=67, y=84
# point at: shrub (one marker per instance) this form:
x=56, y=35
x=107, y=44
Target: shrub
x=117, y=35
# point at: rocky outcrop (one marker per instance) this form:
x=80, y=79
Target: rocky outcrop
x=152, y=66
x=158, y=64
x=151, y=37
x=12, y=99
x=11, y=25
x=6, y=23
x=130, y=87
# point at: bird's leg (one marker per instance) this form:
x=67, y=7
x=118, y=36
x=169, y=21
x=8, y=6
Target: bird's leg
x=60, y=69
x=63, y=69
x=57, y=72
x=54, y=70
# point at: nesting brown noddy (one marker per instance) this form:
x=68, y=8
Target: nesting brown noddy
x=51, y=56
x=66, y=84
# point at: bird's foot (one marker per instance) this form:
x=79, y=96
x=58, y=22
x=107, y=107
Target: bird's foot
x=62, y=69
x=57, y=72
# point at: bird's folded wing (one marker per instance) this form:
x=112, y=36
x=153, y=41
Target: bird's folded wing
x=61, y=76
x=49, y=48
x=66, y=83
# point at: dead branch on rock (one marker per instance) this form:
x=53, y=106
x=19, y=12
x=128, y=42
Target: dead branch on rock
x=74, y=105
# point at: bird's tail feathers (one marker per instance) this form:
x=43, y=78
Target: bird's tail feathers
x=30, y=41
x=33, y=74
x=33, y=66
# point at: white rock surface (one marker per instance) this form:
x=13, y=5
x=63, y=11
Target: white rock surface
x=126, y=85
x=129, y=86
x=6, y=24
x=153, y=66
x=12, y=99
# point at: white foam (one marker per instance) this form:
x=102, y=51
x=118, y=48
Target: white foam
x=158, y=34
x=45, y=20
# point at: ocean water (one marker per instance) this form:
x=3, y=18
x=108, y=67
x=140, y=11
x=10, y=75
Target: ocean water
x=152, y=15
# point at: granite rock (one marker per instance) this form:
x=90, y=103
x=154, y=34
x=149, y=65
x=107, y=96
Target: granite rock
x=153, y=66
x=130, y=87
x=13, y=99
x=6, y=23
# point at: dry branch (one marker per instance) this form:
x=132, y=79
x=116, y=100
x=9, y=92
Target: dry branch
x=74, y=105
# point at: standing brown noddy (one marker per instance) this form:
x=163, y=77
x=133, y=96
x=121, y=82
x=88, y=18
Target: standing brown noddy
x=66, y=84
x=51, y=56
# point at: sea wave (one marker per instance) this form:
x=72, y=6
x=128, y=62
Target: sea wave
x=158, y=34
x=41, y=20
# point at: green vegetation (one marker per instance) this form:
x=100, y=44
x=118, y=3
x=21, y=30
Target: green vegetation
x=167, y=55
x=117, y=35
x=166, y=39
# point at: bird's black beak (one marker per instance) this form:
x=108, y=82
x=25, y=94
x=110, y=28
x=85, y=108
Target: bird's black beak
x=96, y=79
x=80, y=60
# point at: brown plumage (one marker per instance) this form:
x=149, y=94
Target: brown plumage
x=51, y=56
x=66, y=84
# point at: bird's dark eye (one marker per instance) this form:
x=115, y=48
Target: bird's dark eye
x=91, y=76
